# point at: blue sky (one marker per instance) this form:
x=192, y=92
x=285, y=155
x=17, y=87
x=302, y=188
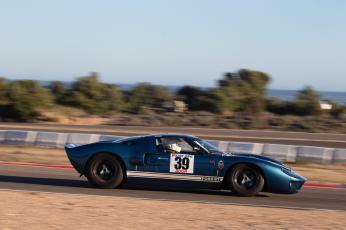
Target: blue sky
x=175, y=42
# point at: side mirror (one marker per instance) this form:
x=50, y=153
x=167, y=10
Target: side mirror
x=196, y=149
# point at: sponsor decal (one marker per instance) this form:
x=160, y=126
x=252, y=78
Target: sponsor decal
x=211, y=178
x=220, y=165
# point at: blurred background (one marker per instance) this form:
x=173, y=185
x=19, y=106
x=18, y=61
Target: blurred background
x=264, y=77
x=205, y=68
x=240, y=100
x=230, y=64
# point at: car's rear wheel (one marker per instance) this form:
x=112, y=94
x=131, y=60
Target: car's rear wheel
x=245, y=180
x=104, y=171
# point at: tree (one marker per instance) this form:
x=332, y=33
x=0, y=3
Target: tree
x=58, y=90
x=198, y=99
x=308, y=94
x=91, y=95
x=308, y=101
x=148, y=95
x=189, y=95
x=338, y=111
x=3, y=91
x=243, y=91
x=112, y=97
x=25, y=96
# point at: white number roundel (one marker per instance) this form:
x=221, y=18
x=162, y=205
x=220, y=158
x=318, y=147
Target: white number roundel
x=181, y=163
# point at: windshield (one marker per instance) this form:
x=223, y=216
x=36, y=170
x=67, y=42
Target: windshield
x=207, y=146
x=121, y=140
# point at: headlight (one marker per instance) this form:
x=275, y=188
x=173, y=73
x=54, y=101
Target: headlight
x=296, y=185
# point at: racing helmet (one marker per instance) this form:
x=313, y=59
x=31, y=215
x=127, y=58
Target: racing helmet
x=174, y=147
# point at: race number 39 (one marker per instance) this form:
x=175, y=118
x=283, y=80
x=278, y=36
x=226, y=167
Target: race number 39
x=181, y=163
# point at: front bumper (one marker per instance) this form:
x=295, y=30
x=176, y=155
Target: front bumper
x=295, y=181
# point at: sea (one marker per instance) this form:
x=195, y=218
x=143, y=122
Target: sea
x=283, y=94
x=288, y=95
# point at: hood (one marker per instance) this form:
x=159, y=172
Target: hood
x=248, y=155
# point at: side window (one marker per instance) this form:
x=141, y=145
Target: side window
x=159, y=145
x=185, y=147
x=162, y=144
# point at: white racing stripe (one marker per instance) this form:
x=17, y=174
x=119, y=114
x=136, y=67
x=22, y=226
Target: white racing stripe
x=174, y=176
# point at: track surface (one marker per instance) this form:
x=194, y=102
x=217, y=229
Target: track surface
x=68, y=181
x=259, y=136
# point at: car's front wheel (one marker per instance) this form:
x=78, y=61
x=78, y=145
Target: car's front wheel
x=104, y=171
x=245, y=180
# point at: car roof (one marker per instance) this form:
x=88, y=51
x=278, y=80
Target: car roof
x=171, y=135
x=155, y=136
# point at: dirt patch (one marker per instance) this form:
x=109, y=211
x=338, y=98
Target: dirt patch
x=321, y=173
x=147, y=117
x=28, y=210
x=33, y=155
x=71, y=116
x=333, y=173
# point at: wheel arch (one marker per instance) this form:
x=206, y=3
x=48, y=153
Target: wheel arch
x=229, y=170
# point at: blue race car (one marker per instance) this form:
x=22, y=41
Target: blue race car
x=108, y=164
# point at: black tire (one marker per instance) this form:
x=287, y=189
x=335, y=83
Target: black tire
x=245, y=180
x=104, y=171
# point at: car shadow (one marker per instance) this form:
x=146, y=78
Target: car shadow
x=44, y=181
x=178, y=186
x=135, y=184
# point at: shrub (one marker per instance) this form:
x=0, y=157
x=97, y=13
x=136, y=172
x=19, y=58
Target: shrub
x=243, y=91
x=148, y=95
x=338, y=111
x=306, y=103
x=90, y=94
x=25, y=96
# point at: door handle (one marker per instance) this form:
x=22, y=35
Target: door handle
x=162, y=158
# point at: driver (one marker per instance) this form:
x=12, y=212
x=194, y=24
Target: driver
x=173, y=148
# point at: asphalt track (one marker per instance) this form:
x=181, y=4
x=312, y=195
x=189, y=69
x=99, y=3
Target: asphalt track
x=67, y=181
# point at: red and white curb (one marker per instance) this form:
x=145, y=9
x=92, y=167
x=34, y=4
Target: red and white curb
x=317, y=185
x=69, y=167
